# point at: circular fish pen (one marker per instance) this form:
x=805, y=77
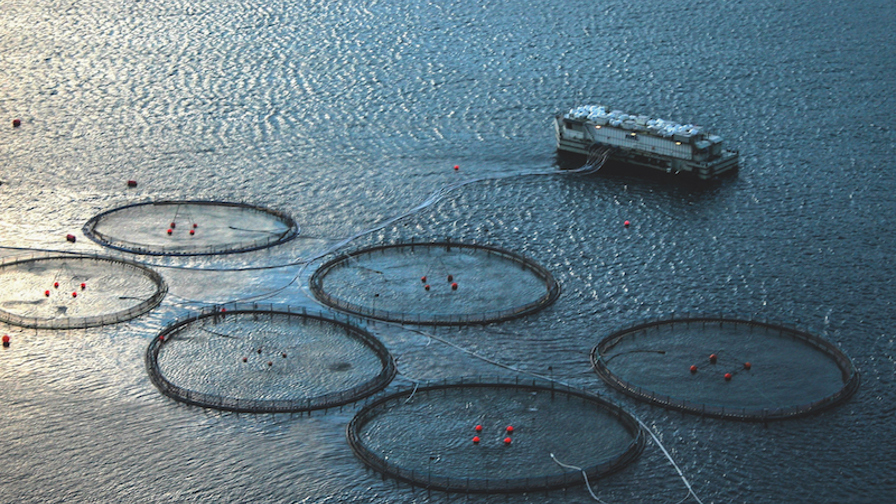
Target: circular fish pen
x=76, y=291
x=435, y=283
x=189, y=228
x=726, y=368
x=249, y=358
x=500, y=436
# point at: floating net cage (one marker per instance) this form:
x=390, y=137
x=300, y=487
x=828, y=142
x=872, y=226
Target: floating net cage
x=435, y=283
x=496, y=436
x=726, y=367
x=267, y=359
x=76, y=291
x=187, y=228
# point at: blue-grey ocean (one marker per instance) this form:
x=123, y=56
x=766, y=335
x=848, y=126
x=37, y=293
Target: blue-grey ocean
x=350, y=117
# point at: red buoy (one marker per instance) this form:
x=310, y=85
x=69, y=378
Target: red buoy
x=423, y=279
x=509, y=429
x=426, y=286
x=173, y=225
x=478, y=428
x=626, y=223
x=476, y=439
x=16, y=123
x=132, y=183
x=747, y=366
x=270, y=363
x=192, y=232
x=283, y=354
x=74, y=294
x=454, y=286
x=83, y=285
x=713, y=358
x=456, y=167
x=507, y=440
x=47, y=293
x=195, y=225
x=162, y=337
x=56, y=285
x=245, y=359
x=71, y=238
x=727, y=376
x=170, y=231
x=6, y=340
x=693, y=369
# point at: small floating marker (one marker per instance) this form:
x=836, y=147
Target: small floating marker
x=47, y=293
x=478, y=428
x=245, y=359
x=693, y=369
x=627, y=223
x=162, y=338
x=727, y=376
x=55, y=285
x=259, y=351
x=74, y=294
x=270, y=363
x=16, y=123
x=713, y=358
x=71, y=238
x=192, y=232
x=6, y=340
x=747, y=366
x=170, y=231
x=283, y=354
x=426, y=286
x=423, y=279
x=223, y=310
x=450, y=278
x=83, y=285
x=507, y=440
x=456, y=167
x=509, y=429
x=475, y=439
x=454, y=286
x=173, y=225
x=132, y=183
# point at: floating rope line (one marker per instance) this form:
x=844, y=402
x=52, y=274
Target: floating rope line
x=587, y=484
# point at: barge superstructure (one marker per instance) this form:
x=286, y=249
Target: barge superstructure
x=657, y=144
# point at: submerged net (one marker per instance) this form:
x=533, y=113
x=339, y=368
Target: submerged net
x=726, y=368
x=435, y=283
x=474, y=436
x=181, y=228
x=267, y=359
x=76, y=291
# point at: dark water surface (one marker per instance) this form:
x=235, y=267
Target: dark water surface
x=346, y=115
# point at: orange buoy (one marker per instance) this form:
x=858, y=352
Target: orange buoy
x=747, y=366
x=132, y=183
x=476, y=439
x=71, y=238
x=507, y=440
x=170, y=231
x=16, y=123
x=47, y=293
x=478, y=428
x=454, y=286
x=727, y=376
x=693, y=369
x=426, y=286
x=713, y=358
x=509, y=428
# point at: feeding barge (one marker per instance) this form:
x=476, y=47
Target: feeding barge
x=656, y=144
